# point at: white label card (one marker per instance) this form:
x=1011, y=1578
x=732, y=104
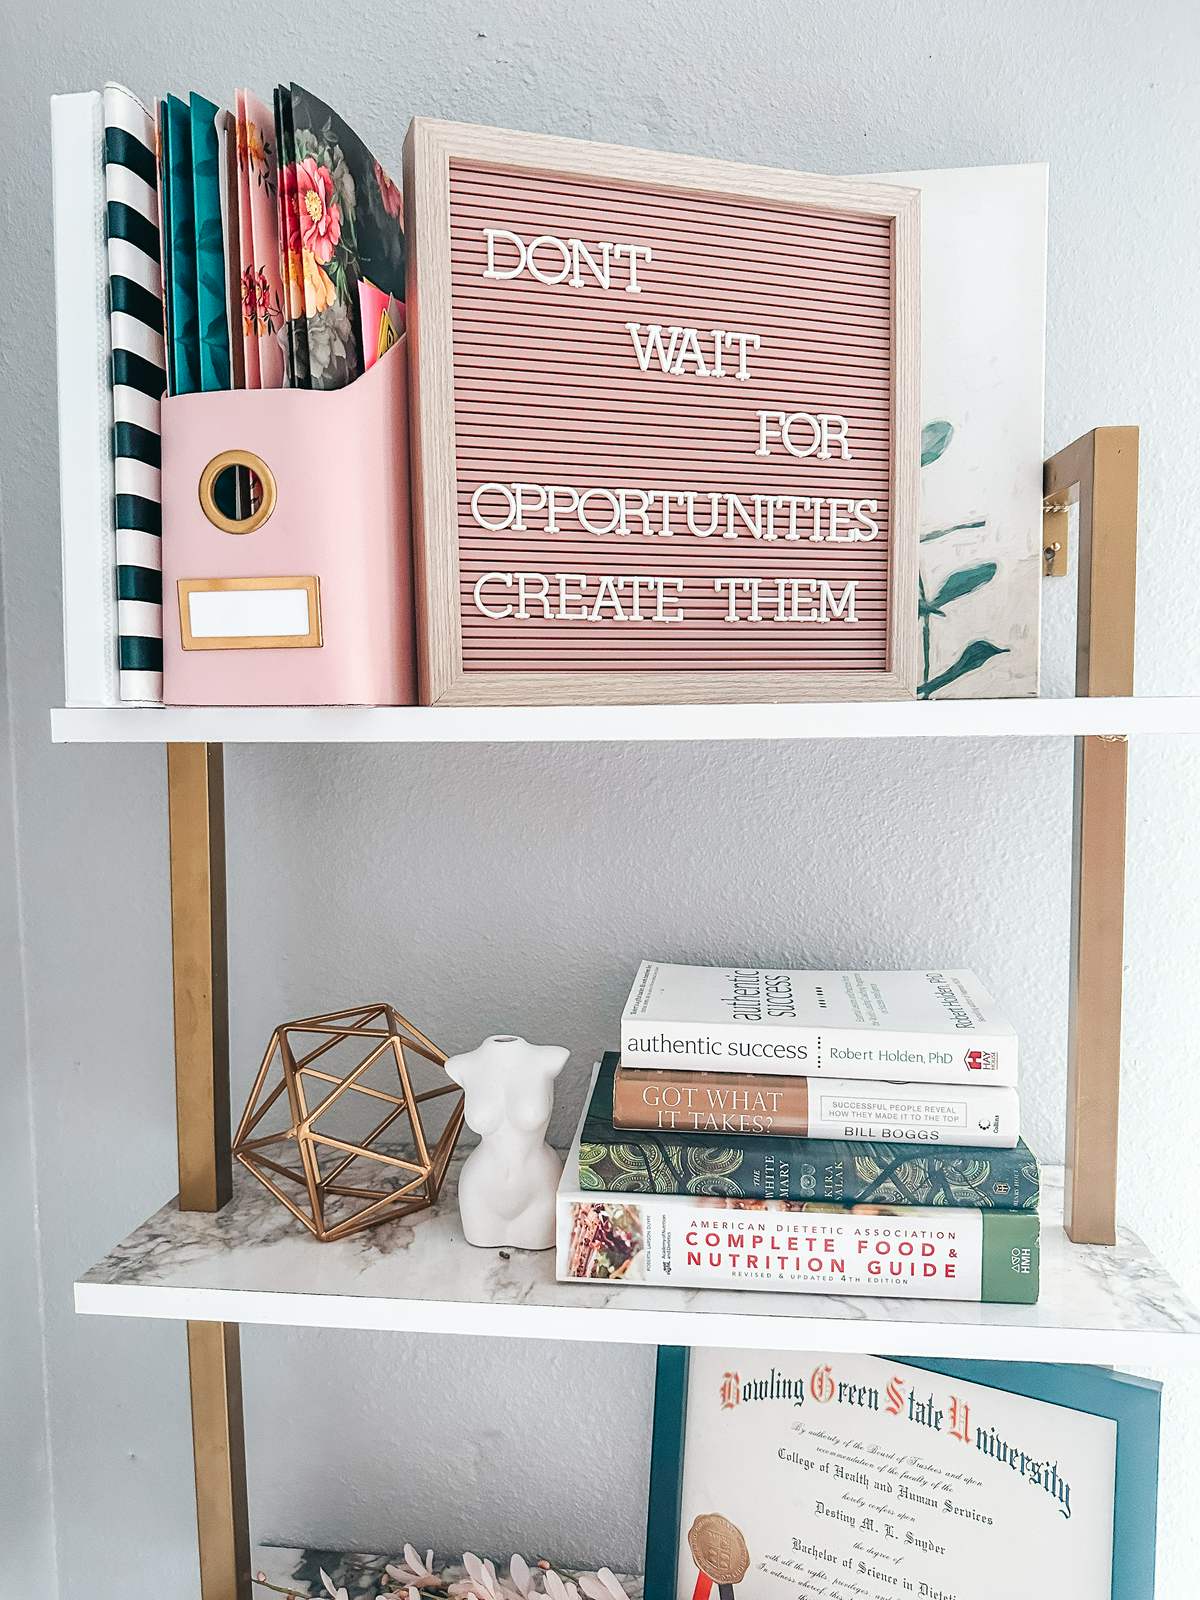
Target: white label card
x=248, y=613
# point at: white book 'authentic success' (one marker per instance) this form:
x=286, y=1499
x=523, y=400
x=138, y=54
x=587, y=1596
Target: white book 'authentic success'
x=930, y=1026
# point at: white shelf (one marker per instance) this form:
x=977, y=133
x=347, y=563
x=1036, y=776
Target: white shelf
x=252, y=1262
x=1028, y=719
x=872, y=719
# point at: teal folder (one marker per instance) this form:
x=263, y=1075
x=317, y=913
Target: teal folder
x=212, y=315
x=180, y=221
x=164, y=237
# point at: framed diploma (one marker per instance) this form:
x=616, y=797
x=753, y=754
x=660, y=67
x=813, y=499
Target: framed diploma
x=846, y=1477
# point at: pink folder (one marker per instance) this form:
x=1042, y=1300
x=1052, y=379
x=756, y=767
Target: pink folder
x=314, y=604
x=261, y=287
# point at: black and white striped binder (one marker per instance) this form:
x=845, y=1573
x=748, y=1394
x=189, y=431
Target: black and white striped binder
x=138, y=382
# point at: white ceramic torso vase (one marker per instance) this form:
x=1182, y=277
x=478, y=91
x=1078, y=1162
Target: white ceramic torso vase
x=506, y=1189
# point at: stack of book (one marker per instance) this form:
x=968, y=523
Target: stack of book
x=833, y=1132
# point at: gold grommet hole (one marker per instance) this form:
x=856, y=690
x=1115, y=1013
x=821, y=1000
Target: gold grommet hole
x=237, y=491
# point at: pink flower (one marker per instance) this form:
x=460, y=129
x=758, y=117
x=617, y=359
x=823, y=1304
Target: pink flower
x=249, y=302
x=392, y=202
x=320, y=214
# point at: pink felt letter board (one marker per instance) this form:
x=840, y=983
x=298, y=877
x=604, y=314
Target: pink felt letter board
x=666, y=431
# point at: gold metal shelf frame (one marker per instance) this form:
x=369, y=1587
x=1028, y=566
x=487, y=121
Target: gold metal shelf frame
x=1100, y=472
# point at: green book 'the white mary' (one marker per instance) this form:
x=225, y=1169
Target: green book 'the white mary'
x=919, y=1027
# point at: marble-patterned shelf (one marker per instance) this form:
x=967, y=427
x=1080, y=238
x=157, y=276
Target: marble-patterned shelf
x=252, y=1262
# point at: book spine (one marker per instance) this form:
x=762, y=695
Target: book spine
x=84, y=401
x=823, y=1171
x=918, y=1255
x=791, y=1050
x=975, y=1116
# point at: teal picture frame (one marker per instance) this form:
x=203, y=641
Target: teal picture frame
x=1134, y=1404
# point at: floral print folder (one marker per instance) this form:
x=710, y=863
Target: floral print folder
x=344, y=222
x=261, y=288
x=291, y=266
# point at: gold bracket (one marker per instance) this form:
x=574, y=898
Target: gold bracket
x=1100, y=473
x=1054, y=541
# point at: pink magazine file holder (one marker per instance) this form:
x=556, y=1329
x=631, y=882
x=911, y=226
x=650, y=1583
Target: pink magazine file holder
x=309, y=600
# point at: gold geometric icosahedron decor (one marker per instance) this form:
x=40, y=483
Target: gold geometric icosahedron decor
x=333, y=1120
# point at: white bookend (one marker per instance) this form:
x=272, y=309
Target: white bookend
x=85, y=417
x=932, y=1026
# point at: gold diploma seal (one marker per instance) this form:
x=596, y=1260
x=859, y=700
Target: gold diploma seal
x=718, y=1549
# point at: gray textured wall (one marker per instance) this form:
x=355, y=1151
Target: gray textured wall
x=25, y=1499
x=510, y=887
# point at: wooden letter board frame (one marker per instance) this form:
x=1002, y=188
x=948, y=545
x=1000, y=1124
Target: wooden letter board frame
x=430, y=150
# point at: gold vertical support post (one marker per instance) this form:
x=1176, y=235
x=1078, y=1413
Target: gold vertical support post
x=1100, y=471
x=219, y=1453
x=196, y=806
x=196, y=801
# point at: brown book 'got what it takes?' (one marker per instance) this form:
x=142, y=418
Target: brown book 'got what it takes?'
x=821, y=1108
